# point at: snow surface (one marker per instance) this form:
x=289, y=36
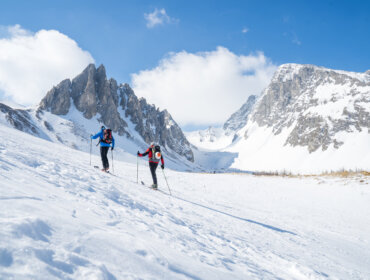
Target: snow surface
x=264, y=151
x=62, y=219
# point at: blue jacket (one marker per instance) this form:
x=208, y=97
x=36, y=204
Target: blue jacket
x=101, y=136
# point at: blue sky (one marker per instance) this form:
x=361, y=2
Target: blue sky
x=334, y=34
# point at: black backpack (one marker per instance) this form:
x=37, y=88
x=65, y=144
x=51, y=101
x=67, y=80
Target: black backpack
x=107, y=136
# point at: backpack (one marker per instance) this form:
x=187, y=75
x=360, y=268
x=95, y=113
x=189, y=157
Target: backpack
x=107, y=136
x=156, y=152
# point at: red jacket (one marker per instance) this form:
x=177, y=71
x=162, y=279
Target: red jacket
x=151, y=158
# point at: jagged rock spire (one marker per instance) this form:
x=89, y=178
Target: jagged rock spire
x=93, y=94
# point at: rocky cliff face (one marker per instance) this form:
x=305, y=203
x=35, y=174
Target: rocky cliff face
x=152, y=124
x=92, y=94
x=316, y=103
x=19, y=119
x=95, y=96
x=240, y=117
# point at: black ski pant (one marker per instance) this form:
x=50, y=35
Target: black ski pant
x=104, y=157
x=153, y=166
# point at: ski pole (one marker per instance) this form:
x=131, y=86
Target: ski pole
x=112, y=162
x=137, y=169
x=166, y=182
x=90, y=149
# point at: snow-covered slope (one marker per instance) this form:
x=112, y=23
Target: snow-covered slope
x=62, y=219
x=308, y=120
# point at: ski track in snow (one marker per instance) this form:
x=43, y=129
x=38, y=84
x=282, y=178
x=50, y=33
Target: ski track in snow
x=63, y=219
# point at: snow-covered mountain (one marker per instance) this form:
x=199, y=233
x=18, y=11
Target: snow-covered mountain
x=62, y=219
x=74, y=109
x=309, y=119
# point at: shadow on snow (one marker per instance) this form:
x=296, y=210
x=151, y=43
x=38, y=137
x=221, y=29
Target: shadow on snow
x=236, y=217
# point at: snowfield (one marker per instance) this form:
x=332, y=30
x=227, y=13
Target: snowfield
x=62, y=219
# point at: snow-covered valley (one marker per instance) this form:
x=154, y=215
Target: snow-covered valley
x=63, y=219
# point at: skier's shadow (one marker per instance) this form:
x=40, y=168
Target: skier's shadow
x=236, y=217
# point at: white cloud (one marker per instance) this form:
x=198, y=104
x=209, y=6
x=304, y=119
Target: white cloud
x=32, y=63
x=157, y=17
x=245, y=30
x=204, y=88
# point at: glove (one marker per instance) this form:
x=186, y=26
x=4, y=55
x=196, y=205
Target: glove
x=162, y=166
x=112, y=148
x=91, y=136
x=138, y=153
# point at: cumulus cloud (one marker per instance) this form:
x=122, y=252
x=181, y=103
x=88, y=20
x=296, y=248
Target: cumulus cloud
x=32, y=63
x=158, y=17
x=204, y=88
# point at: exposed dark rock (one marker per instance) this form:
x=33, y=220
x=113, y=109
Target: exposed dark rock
x=48, y=126
x=58, y=100
x=19, y=119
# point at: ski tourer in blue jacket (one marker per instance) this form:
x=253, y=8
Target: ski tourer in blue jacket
x=106, y=140
x=100, y=134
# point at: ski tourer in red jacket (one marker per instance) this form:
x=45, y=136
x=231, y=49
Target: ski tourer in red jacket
x=155, y=155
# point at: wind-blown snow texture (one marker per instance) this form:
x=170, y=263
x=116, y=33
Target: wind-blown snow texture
x=62, y=219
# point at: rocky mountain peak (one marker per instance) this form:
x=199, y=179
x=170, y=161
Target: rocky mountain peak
x=94, y=95
x=101, y=71
x=303, y=95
